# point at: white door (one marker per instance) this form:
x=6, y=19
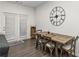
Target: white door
x=23, y=26
x=10, y=26
x=2, y=23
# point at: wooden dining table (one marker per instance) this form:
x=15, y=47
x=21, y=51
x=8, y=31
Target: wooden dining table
x=59, y=39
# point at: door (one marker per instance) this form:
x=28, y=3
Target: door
x=23, y=26
x=2, y=23
x=10, y=26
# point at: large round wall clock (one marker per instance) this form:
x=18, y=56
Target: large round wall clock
x=57, y=16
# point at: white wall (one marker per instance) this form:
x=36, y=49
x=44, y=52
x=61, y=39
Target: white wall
x=70, y=25
x=18, y=9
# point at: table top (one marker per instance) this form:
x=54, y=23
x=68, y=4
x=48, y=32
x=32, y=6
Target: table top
x=60, y=38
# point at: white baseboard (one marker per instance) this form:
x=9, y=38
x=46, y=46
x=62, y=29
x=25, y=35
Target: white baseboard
x=23, y=37
x=13, y=39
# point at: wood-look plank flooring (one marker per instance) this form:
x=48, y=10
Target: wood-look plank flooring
x=26, y=49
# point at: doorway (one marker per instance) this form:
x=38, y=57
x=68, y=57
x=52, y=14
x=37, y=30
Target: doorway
x=10, y=19
x=23, y=26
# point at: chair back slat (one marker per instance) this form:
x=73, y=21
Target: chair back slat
x=39, y=30
x=74, y=44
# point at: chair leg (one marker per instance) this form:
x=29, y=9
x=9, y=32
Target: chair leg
x=61, y=51
x=50, y=51
x=74, y=53
x=70, y=54
x=45, y=48
x=42, y=47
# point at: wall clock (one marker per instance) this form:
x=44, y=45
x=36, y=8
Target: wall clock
x=57, y=16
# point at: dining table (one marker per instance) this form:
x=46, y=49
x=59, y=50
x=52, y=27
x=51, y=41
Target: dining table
x=59, y=39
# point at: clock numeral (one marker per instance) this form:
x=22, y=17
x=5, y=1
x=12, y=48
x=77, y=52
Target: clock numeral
x=62, y=17
x=51, y=20
x=58, y=23
x=61, y=21
x=63, y=12
x=56, y=8
x=51, y=17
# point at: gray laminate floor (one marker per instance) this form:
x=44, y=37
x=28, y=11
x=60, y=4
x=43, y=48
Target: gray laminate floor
x=26, y=49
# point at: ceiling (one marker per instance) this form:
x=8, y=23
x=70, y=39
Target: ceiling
x=29, y=3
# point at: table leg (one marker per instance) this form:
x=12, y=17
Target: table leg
x=61, y=51
x=56, y=50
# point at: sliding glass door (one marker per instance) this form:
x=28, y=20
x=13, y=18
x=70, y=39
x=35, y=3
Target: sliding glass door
x=10, y=19
x=15, y=26
x=2, y=23
x=23, y=26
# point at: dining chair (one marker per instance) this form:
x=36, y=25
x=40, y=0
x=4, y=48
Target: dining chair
x=50, y=45
x=70, y=47
x=39, y=40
